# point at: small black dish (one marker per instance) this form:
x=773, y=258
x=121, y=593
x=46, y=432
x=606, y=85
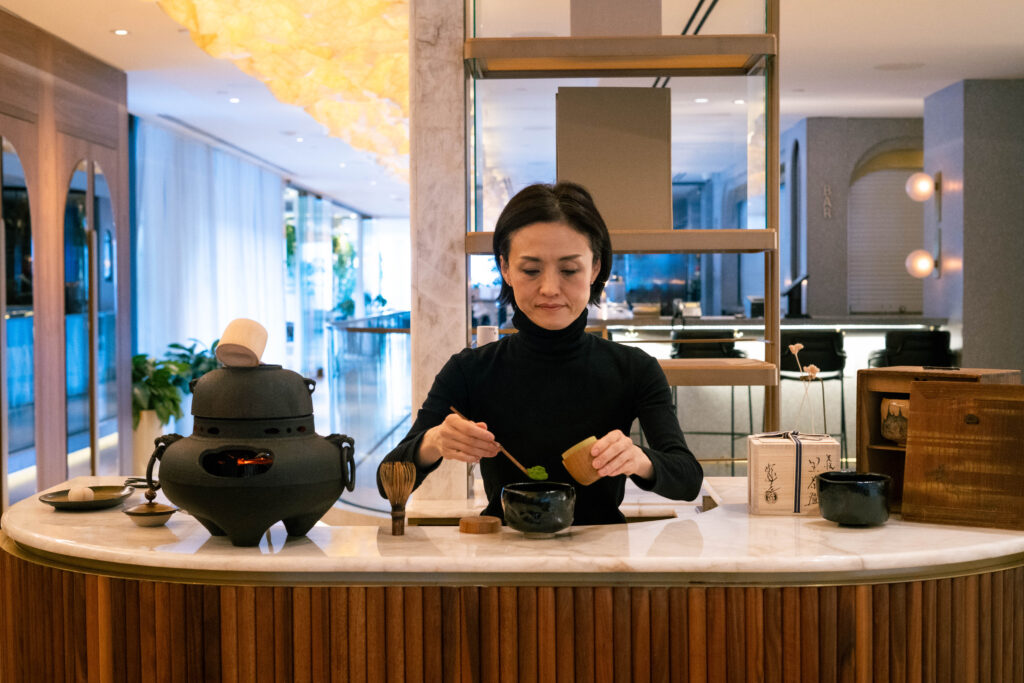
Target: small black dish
x=105, y=497
x=538, y=508
x=854, y=498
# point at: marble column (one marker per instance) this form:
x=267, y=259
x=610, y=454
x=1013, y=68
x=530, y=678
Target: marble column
x=438, y=207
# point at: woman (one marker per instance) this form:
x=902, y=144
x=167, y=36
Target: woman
x=551, y=385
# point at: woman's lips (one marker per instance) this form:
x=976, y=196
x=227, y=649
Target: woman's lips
x=549, y=307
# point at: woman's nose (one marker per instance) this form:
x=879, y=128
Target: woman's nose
x=549, y=283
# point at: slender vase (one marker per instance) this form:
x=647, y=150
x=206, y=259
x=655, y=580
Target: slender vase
x=143, y=438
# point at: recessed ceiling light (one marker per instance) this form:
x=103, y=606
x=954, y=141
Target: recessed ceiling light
x=739, y=101
x=298, y=139
x=234, y=100
x=120, y=31
x=342, y=165
x=373, y=182
x=701, y=100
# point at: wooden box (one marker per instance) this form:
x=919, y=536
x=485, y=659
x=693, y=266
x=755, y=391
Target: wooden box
x=779, y=483
x=964, y=462
x=877, y=454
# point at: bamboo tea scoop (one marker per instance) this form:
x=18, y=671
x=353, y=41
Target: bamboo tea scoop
x=397, y=478
x=538, y=472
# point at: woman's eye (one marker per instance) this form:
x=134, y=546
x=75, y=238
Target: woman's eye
x=529, y=272
x=569, y=273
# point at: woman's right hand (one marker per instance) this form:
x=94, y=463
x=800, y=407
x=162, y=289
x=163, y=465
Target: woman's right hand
x=457, y=439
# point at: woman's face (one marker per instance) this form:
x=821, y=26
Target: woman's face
x=550, y=268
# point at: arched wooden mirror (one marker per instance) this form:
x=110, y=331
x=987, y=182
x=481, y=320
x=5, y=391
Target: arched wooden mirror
x=80, y=435
x=105, y=286
x=19, y=424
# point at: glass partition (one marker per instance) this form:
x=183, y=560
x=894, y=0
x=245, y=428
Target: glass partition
x=19, y=322
x=718, y=181
x=106, y=325
x=717, y=144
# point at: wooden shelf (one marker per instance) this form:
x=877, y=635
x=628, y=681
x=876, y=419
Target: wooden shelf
x=725, y=55
x=665, y=241
x=719, y=372
x=887, y=447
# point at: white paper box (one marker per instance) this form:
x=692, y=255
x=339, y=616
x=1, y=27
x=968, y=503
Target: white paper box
x=775, y=484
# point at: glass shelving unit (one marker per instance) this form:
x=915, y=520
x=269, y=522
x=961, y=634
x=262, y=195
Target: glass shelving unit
x=725, y=126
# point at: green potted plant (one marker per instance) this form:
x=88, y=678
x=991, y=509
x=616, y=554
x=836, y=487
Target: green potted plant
x=156, y=398
x=197, y=358
x=155, y=387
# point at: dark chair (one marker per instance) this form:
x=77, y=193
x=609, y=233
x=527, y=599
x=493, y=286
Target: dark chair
x=685, y=346
x=914, y=347
x=825, y=350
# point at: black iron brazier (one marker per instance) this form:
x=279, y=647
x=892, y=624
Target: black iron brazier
x=253, y=458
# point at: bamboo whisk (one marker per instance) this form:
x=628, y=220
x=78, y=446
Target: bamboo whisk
x=397, y=479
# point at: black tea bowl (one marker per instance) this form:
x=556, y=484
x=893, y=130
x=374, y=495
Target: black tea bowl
x=854, y=498
x=538, y=508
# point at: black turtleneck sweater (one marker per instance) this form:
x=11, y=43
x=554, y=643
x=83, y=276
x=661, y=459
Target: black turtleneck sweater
x=542, y=391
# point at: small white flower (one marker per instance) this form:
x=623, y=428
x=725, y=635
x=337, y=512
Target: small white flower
x=812, y=370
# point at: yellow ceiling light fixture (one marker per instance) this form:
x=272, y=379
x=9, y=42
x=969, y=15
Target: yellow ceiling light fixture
x=346, y=62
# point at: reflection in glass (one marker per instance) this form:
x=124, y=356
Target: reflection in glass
x=718, y=180
x=717, y=144
x=76, y=322
x=19, y=322
x=106, y=331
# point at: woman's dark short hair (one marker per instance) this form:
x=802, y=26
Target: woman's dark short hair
x=563, y=202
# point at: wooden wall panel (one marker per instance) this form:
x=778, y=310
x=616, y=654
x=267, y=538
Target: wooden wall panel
x=89, y=627
x=21, y=41
x=84, y=115
x=19, y=90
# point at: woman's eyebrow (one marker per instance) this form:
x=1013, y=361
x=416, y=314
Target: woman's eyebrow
x=537, y=259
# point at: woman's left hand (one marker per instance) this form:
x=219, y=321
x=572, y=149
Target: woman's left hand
x=615, y=453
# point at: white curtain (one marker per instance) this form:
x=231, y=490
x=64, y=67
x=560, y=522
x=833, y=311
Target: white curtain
x=209, y=243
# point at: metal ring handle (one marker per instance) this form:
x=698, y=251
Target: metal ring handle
x=346, y=446
x=162, y=442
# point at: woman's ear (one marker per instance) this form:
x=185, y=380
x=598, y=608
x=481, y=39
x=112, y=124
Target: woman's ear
x=504, y=268
x=597, y=269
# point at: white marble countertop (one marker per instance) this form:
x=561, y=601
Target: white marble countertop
x=724, y=545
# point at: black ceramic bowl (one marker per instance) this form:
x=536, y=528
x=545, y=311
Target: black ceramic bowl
x=538, y=507
x=854, y=498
